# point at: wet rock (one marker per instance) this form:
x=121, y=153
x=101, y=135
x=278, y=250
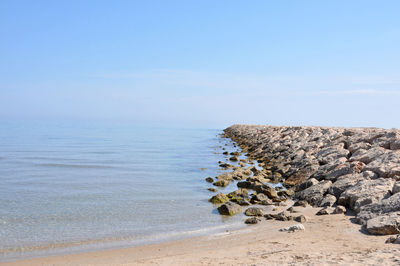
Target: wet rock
x=234, y=159
x=210, y=179
x=229, y=209
x=254, y=211
x=225, y=165
x=268, y=190
x=293, y=228
x=212, y=189
x=252, y=220
x=241, y=201
x=241, y=192
x=221, y=183
x=219, y=198
x=258, y=198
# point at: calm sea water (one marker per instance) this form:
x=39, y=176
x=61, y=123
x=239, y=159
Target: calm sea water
x=73, y=186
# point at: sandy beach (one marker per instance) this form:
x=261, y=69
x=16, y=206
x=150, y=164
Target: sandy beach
x=328, y=239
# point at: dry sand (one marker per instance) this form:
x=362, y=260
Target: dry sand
x=329, y=239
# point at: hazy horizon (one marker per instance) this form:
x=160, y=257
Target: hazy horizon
x=202, y=63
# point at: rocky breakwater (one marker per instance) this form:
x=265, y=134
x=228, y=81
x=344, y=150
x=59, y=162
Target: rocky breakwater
x=332, y=168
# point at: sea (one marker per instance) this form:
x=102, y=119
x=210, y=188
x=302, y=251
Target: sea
x=77, y=186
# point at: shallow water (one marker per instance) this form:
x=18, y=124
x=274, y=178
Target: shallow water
x=81, y=186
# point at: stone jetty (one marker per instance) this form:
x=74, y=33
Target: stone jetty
x=357, y=169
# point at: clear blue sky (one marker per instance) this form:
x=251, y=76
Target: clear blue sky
x=203, y=62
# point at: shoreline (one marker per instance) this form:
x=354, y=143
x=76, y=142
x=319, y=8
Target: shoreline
x=333, y=239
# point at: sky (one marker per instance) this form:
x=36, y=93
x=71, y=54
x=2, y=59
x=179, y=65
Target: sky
x=329, y=63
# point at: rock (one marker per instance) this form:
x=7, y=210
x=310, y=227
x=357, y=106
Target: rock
x=283, y=216
x=266, y=202
x=396, y=188
x=225, y=165
x=310, y=182
x=366, y=192
x=300, y=219
x=241, y=192
x=325, y=211
x=343, y=183
x=315, y=193
x=229, y=208
x=328, y=201
x=258, y=198
x=339, y=210
x=241, y=201
x=252, y=220
x=226, y=176
x=383, y=207
x=210, y=179
x=234, y=159
x=254, y=211
x=219, y=198
x=225, y=153
x=221, y=183
x=268, y=190
x=302, y=203
x=391, y=239
x=384, y=225
x=212, y=189
x=293, y=228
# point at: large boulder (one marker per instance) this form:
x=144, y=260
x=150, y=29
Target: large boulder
x=384, y=225
x=229, y=208
x=366, y=192
x=343, y=183
x=383, y=207
x=315, y=193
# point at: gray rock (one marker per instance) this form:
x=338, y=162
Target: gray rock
x=383, y=207
x=366, y=192
x=308, y=183
x=396, y=188
x=315, y=193
x=302, y=203
x=293, y=228
x=343, y=183
x=328, y=201
x=384, y=225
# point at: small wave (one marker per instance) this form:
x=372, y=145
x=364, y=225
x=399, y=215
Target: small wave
x=91, y=166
